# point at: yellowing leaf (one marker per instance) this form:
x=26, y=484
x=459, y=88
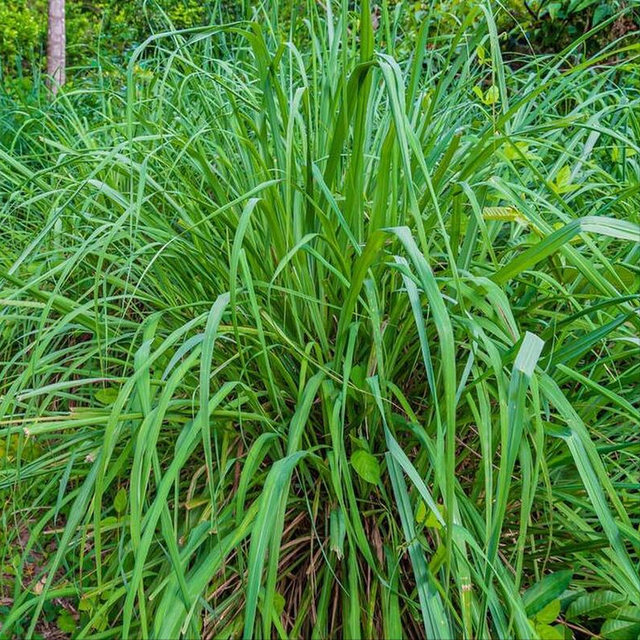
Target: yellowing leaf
x=516, y=151
x=617, y=153
x=432, y=521
x=39, y=586
x=549, y=613
x=563, y=177
x=424, y=515
x=86, y=603
x=194, y=503
x=547, y=632
x=562, y=181
x=504, y=214
x=478, y=91
x=492, y=95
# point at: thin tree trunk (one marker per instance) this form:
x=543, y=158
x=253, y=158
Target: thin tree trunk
x=56, y=62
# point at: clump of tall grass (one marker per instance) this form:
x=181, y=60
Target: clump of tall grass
x=310, y=341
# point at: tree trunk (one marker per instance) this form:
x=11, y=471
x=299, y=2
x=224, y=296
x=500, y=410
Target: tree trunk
x=56, y=45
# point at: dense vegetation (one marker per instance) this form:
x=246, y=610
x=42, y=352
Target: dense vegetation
x=330, y=340
x=103, y=33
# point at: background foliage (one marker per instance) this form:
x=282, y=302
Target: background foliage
x=106, y=30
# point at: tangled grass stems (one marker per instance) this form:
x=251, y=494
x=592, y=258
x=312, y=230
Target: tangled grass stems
x=315, y=342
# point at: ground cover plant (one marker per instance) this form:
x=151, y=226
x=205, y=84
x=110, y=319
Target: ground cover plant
x=324, y=341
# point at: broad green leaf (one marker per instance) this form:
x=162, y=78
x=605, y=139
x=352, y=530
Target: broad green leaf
x=597, y=604
x=616, y=629
x=109, y=521
x=279, y=603
x=546, y=592
x=66, y=622
x=630, y=613
x=120, y=501
x=107, y=396
x=602, y=11
x=366, y=466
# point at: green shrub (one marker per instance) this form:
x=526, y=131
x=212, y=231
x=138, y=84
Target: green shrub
x=110, y=28
x=21, y=30
x=322, y=342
